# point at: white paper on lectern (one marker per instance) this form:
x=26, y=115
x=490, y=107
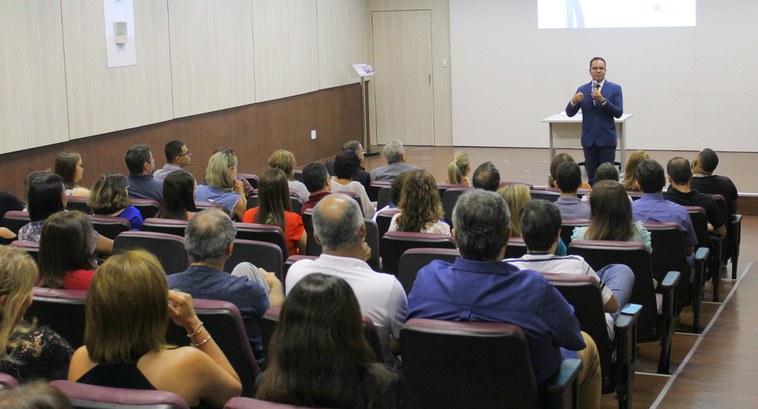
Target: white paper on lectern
x=120, y=55
x=364, y=70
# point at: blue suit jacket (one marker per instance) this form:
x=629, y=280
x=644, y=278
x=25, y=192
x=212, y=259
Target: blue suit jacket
x=598, y=124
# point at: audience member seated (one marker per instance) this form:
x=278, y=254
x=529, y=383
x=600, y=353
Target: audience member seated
x=128, y=308
x=27, y=352
x=319, y=354
x=274, y=207
x=45, y=196
x=395, y=155
x=606, y=171
x=34, y=395
x=557, y=160
x=458, y=169
x=704, y=181
x=221, y=184
x=611, y=217
x=8, y=202
x=680, y=192
x=110, y=197
x=178, y=196
x=478, y=286
x=396, y=189
x=515, y=196
x=568, y=178
x=420, y=205
x=67, y=251
x=487, y=177
x=141, y=164
x=316, y=180
x=652, y=207
x=68, y=165
x=178, y=157
x=541, y=226
x=209, y=239
x=630, y=171
x=246, y=186
x=360, y=174
x=285, y=160
x=345, y=165
x=338, y=227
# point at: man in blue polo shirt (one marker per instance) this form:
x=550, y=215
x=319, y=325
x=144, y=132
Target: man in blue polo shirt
x=480, y=287
x=141, y=164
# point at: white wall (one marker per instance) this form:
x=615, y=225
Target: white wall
x=688, y=87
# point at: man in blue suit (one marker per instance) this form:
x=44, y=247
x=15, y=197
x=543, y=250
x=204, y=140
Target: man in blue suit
x=598, y=113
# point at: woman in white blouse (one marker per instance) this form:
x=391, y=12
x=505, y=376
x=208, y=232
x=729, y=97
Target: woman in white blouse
x=420, y=205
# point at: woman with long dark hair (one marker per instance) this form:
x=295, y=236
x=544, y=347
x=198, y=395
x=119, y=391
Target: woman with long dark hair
x=178, y=196
x=319, y=356
x=66, y=259
x=69, y=166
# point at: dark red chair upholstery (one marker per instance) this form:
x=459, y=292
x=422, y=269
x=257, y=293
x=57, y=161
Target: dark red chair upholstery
x=656, y=320
x=516, y=248
x=372, y=239
x=549, y=194
x=109, y=226
x=384, y=219
x=383, y=197
x=168, y=226
x=168, y=248
x=262, y=232
x=208, y=205
x=251, y=178
x=373, y=189
x=147, y=207
x=15, y=220
x=568, y=226
x=7, y=381
x=289, y=262
x=617, y=355
x=395, y=243
x=61, y=310
x=713, y=242
x=31, y=247
x=312, y=248
x=267, y=256
x=250, y=403
x=413, y=259
x=449, y=199
x=84, y=396
x=78, y=203
x=461, y=365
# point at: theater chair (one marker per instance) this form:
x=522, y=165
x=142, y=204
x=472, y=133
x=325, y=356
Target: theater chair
x=373, y=189
x=413, y=259
x=169, y=249
x=7, y=381
x=31, y=247
x=200, y=206
x=395, y=243
x=731, y=245
x=289, y=262
x=656, y=320
x=516, y=248
x=267, y=256
x=449, y=199
x=84, y=396
x=61, y=310
x=384, y=219
x=383, y=197
x=109, y=226
x=15, y=220
x=262, y=232
x=249, y=403
x=713, y=242
x=355, y=197
x=78, y=203
x=549, y=194
x=312, y=248
x=168, y=226
x=460, y=365
x=223, y=321
x=617, y=355
x=147, y=207
x=251, y=178
x=568, y=226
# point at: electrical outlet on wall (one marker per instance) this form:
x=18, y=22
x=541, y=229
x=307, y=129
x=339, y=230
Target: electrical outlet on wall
x=313, y=134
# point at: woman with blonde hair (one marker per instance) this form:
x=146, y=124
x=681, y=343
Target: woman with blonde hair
x=458, y=169
x=68, y=165
x=285, y=160
x=110, y=198
x=27, y=352
x=630, y=171
x=66, y=258
x=420, y=205
x=275, y=208
x=516, y=196
x=221, y=184
x=127, y=311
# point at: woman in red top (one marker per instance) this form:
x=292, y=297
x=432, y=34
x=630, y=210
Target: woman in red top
x=65, y=251
x=274, y=208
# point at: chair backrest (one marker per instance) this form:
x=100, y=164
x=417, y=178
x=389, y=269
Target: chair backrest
x=568, y=226
x=728, y=243
x=516, y=248
x=31, y=247
x=414, y=259
x=600, y=253
x=468, y=365
x=84, y=396
x=61, y=310
x=16, y=219
x=700, y=223
x=252, y=201
x=251, y=178
x=7, y=381
x=168, y=248
x=262, y=232
x=395, y=243
x=78, y=203
x=296, y=204
x=208, y=205
x=667, y=240
x=383, y=220
x=529, y=185
x=289, y=262
x=311, y=247
x=109, y=226
x=168, y=226
x=383, y=197
x=548, y=194
x=267, y=256
x=271, y=318
x=372, y=239
x=373, y=188
x=223, y=320
x=250, y=403
x=449, y=199
x=147, y=207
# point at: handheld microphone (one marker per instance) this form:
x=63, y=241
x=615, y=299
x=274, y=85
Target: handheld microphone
x=595, y=84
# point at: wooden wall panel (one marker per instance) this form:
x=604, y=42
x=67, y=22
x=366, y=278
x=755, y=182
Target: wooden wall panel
x=102, y=99
x=32, y=77
x=253, y=131
x=286, y=57
x=211, y=55
x=343, y=32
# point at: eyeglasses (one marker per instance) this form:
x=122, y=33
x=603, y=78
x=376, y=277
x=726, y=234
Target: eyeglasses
x=188, y=153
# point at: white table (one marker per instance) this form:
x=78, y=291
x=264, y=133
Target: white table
x=566, y=132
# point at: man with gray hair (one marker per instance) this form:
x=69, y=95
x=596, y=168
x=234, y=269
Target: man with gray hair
x=478, y=286
x=338, y=227
x=209, y=239
x=394, y=154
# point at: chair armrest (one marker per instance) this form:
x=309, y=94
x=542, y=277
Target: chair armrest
x=736, y=219
x=671, y=280
x=563, y=386
x=702, y=254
